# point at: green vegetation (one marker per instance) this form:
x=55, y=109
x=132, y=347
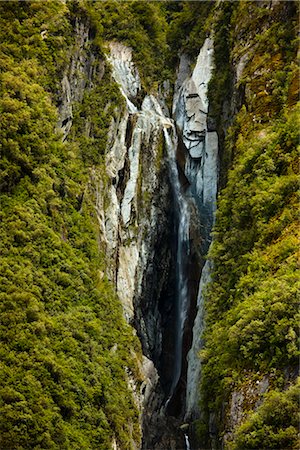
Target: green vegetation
x=274, y=425
x=141, y=25
x=252, y=303
x=100, y=104
x=189, y=24
x=219, y=88
x=66, y=350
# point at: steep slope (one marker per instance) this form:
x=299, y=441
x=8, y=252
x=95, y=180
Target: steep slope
x=111, y=278
x=250, y=351
x=65, y=360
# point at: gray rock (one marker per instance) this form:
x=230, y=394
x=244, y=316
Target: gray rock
x=125, y=72
x=80, y=72
x=190, y=110
x=194, y=364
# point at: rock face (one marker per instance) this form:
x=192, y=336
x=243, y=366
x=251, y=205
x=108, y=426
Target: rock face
x=141, y=166
x=125, y=72
x=190, y=110
x=78, y=76
x=200, y=167
x=137, y=193
x=137, y=226
x=194, y=366
x=249, y=394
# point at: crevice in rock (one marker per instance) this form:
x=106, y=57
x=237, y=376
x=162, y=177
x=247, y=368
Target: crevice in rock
x=123, y=177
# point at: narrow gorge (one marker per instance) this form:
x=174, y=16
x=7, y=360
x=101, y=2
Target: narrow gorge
x=162, y=215
x=148, y=194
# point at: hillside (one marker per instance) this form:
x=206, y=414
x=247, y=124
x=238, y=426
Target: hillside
x=149, y=228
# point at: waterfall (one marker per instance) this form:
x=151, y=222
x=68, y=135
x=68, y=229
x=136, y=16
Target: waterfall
x=183, y=223
x=200, y=140
x=192, y=209
x=187, y=442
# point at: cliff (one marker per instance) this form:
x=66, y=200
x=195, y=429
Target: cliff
x=148, y=222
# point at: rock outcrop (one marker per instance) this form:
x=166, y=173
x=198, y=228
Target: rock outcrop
x=79, y=75
x=137, y=226
x=190, y=109
x=200, y=167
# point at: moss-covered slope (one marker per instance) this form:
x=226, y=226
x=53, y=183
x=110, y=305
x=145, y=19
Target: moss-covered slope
x=252, y=308
x=66, y=351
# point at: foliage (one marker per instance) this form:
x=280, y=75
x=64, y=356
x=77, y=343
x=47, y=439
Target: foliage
x=26, y=129
x=219, y=87
x=188, y=25
x=252, y=308
x=252, y=303
x=139, y=24
x=66, y=351
x=37, y=32
x=274, y=424
x=64, y=382
x=93, y=116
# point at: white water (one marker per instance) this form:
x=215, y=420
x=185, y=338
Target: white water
x=187, y=442
x=190, y=108
x=150, y=119
x=183, y=218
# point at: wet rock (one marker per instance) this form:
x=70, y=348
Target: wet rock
x=190, y=110
x=194, y=364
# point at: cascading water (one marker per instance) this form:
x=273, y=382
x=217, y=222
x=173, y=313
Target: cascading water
x=150, y=119
x=183, y=223
x=164, y=328
x=187, y=442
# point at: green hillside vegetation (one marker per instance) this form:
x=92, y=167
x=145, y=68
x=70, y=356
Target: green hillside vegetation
x=141, y=25
x=65, y=347
x=252, y=303
x=66, y=350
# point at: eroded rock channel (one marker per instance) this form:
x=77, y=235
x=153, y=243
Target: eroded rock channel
x=161, y=196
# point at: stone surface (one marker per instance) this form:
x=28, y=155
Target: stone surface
x=203, y=71
x=78, y=76
x=125, y=72
x=135, y=218
x=115, y=155
x=201, y=171
x=183, y=72
x=194, y=365
x=244, y=399
x=190, y=112
x=151, y=379
x=210, y=171
x=127, y=265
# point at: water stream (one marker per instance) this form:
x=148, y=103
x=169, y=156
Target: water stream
x=187, y=442
x=183, y=224
x=190, y=113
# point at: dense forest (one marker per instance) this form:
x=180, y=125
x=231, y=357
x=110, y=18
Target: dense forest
x=67, y=352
